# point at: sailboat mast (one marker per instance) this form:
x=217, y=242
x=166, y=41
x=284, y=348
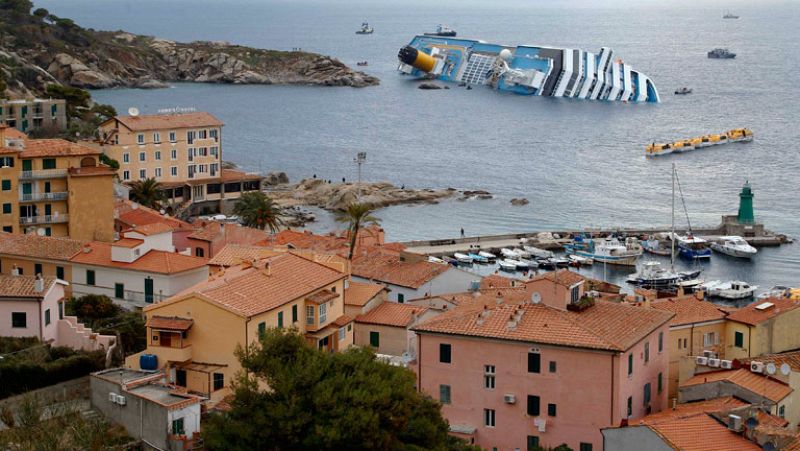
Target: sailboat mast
x=672, y=236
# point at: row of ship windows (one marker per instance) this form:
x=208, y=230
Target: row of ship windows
x=192, y=152
x=193, y=169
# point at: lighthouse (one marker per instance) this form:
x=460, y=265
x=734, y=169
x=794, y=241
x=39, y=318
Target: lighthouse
x=745, y=215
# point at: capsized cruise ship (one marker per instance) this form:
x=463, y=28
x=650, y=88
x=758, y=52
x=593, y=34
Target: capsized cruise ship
x=527, y=70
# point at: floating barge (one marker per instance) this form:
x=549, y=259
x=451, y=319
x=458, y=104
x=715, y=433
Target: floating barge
x=731, y=136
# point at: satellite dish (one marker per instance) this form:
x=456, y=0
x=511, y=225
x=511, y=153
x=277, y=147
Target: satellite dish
x=40, y=231
x=536, y=298
x=771, y=368
x=133, y=111
x=786, y=369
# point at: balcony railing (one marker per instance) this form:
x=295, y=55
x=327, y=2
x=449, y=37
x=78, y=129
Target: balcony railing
x=43, y=174
x=36, y=197
x=46, y=219
x=169, y=354
x=141, y=298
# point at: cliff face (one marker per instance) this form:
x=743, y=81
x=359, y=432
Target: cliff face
x=38, y=49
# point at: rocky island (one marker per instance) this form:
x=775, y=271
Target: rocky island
x=38, y=48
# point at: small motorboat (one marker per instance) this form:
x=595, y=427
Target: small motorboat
x=546, y=263
x=462, y=258
x=728, y=15
x=656, y=246
x=487, y=255
x=507, y=265
x=432, y=259
x=735, y=246
x=560, y=262
x=443, y=30
x=478, y=258
x=693, y=247
x=580, y=261
x=689, y=284
x=682, y=91
x=538, y=253
x=450, y=260
x=518, y=264
x=530, y=264
x=729, y=290
x=721, y=54
x=362, y=63
x=365, y=29
x=509, y=253
x=523, y=253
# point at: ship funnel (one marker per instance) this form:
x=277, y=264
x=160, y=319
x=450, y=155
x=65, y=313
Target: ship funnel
x=419, y=60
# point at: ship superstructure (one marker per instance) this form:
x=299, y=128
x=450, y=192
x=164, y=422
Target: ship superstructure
x=527, y=70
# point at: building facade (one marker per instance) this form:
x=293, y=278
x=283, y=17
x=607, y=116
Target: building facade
x=765, y=326
x=27, y=115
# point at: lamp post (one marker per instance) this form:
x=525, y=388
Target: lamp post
x=360, y=159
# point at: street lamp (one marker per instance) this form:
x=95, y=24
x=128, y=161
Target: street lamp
x=360, y=159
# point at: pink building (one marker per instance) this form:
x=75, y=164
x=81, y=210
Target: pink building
x=553, y=369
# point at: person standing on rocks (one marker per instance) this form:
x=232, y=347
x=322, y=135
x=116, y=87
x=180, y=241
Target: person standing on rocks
x=462, y=232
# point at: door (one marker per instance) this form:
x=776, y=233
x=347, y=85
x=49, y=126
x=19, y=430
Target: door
x=148, y=291
x=27, y=188
x=180, y=378
x=27, y=165
x=48, y=209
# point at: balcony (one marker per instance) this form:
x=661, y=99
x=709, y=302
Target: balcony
x=43, y=174
x=140, y=298
x=37, y=197
x=170, y=354
x=46, y=219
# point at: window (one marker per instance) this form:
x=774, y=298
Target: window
x=60, y=272
x=158, y=172
x=646, y=352
x=49, y=163
x=488, y=376
x=323, y=313
x=342, y=333
x=172, y=137
x=738, y=340
x=551, y=410
x=660, y=382
x=158, y=155
x=6, y=162
x=126, y=158
x=214, y=169
x=630, y=364
x=173, y=171
x=157, y=138
x=47, y=317
x=585, y=447
x=190, y=137
x=280, y=319
x=203, y=151
x=262, y=330
x=46, y=187
x=575, y=294
x=401, y=298
x=177, y=427
x=533, y=443
x=8, y=229
x=552, y=366
x=444, y=394
x=6, y=209
x=142, y=156
x=126, y=175
x=19, y=320
x=199, y=252
x=6, y=185
x=214, y=152
x=685, y=343
x=140, y=138
x=375, y=339
x=213, y=134
x=782, y=411
x=89, y=277
x=660, y=341
x=533, y=405
x=488, y=417
x=444, y=353
x=630, y=405
x=119, y=290
x=142, y=173
x=202, y=134
x=310, y=315
x=647, y=394
x=219, y=381
x=710, y=339
x=294, y=313
x=173, y=154
x=534, y=362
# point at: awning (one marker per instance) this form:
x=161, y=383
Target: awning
x=170, y=323
x=201, y=367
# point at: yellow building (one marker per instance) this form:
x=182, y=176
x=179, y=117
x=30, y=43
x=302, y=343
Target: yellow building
x=182, y=151
x=764, y=327
x=194, y=334
x=697, y=326
x=54, y=187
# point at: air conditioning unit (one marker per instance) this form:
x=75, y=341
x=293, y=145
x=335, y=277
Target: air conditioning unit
x=509, y=399
x=112, y=397
x=710, y=354
x=713, y=363
x=121, y=400
x=727, y=364
x=757, y=367
x=701, y=360
x=735, y=423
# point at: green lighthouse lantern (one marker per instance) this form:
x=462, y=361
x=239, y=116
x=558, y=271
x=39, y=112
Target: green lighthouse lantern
x=746, y=205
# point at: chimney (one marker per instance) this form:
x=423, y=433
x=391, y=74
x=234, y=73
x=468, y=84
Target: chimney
x=15, y=270
x=674, y=403
x=38, y=285
x=499, y=298
x=512, y=322
x=266, y=269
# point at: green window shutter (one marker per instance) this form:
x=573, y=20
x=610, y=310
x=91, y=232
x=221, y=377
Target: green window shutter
x=647, y=393
x=6, y=185
x=53, y=109
x=24, y=110
x=630, y=364
x=660, y=382
x=49, y=163
x=294, y=313
x=6, y=209
x=119, y=291
x=27, y=165
x=739, y=340
x=47, y=317
x=60, y=272
x=551, y=410
x=89, y=277
x=280, y=319
x=533, y=405
x=401, y=298
x=445, y=353
x=37, y=268
x=534, y=362
x=262, y=330
x=375, y=339
x=24, y=125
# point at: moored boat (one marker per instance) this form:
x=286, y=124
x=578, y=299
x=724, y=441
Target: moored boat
x=693, y=247
x=442, y=30
x=735, y=246
x=731, y=136
x=478, y=258
x=529, y=264
x=462, y=258
x=537, y=252
x=509, y=253
x=487, y=255
x=607, y=250
x=580, y=261
x=657, y=246
x=729, y=290
x=507, y=265
x=433, y=259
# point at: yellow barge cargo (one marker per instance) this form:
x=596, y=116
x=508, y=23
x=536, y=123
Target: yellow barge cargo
x=731, y=136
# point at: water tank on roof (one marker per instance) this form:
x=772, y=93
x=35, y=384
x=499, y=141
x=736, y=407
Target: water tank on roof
x=148, y=362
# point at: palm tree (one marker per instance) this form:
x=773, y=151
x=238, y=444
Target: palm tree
x=357, y=215
x=147, y=192
x=258, y=211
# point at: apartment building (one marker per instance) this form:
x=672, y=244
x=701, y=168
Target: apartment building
x=34, y=114
x=765, y=326
x=182, y=151
x=543, y=366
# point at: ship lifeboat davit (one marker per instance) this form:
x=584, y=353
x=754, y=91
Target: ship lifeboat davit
x=419, y=60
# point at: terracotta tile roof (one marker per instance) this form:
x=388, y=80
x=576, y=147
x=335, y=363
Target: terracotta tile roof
x=700, y=432
x=156, y=261
x=253, y=290
x=321, y=297
x=690, y=408
x=563, y=277
x=23, y=286
x=55, y=148
x=13, y=133
x=170, y=323
x=32, y=245
x=689, y=310
x=605, y=325
x=391, y=314
x=154, y=228
x=768, y=387
x=493, y=281
x=91, y=171
x=384, y=267
x=750, y=314
x=791, y=358
x=310, y=241
x=359, y=293
x=342, y=321
x=168, y=121
x=232, y=175
x=229, y=233
x=767, y=420
x=141, y=215
x=128, y=242
x=235, y=254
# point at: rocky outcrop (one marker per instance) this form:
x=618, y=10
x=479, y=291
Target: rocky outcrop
x=519, y=201
x=276, y=178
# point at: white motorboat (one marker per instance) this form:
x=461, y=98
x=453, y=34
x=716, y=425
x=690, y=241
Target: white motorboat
x=517, y=264
x=607, y=250
x=583, y=261
x=729, y=290
x=530, y=264
x=507, y=265
x=462, y=258
x=523, y=253
x=538, y=253
x=735, y=246
x=432, y=259
x=487, y=255
x=509, y=253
